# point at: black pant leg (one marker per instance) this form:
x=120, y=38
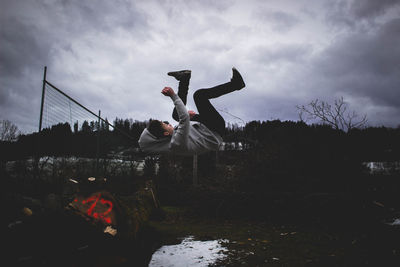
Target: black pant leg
x=183, y=89
x=208, y=115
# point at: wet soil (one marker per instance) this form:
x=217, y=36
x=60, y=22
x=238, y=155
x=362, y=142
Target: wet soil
x=256, y=243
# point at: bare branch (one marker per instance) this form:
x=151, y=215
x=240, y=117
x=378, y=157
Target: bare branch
x=8, y=131
x=337, y=116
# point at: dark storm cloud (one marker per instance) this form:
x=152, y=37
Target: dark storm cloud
x=353, y=13
x=25, y=41
x=366, y=65
x=21, y=47
x=29, y=33
x=371, y=8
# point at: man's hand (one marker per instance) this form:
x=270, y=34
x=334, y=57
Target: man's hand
x=191, y=113
x=168, y=91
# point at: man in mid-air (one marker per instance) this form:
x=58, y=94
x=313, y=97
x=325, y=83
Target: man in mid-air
x=204, y=133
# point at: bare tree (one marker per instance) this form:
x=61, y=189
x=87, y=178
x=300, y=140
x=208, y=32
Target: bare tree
x=336, y=115
x=8, y=131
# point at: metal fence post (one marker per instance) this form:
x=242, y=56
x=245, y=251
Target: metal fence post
x=37, y=148
x=41, y=106
x=98, y=145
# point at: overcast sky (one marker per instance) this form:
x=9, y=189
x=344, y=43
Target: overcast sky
x=113, y=56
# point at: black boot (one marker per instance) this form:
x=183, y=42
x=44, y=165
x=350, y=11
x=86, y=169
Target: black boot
x=181, y=75
x=237, y=80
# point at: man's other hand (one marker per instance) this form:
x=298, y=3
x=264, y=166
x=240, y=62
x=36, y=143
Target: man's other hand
x=191, y=113
x=168, y=91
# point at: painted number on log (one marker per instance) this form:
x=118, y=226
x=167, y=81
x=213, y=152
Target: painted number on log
x=98, y=208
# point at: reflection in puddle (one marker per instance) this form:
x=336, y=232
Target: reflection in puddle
x=189, y=253
x=395, y=222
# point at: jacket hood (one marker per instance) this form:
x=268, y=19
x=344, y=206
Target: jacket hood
x=150, y=144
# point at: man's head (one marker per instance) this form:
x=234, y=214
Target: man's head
x=160, y=129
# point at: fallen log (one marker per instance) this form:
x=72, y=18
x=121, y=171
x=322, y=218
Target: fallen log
x=115, y=215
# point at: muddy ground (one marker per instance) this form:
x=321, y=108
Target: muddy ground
x=57, y=239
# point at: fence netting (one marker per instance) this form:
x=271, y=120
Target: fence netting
x=83, y=141
x=59, y=109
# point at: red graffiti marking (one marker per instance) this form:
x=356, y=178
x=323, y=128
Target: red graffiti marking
x=95, y=200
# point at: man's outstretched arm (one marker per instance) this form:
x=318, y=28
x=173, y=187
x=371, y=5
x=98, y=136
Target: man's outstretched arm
x=180, y=136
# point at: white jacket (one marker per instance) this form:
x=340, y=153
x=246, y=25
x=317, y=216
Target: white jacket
x=188, y=137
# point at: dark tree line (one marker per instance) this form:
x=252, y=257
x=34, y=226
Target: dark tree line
x=299, y=138
x=281, y=139
x=90, y=140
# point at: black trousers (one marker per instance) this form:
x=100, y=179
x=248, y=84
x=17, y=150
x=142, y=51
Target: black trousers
x=207, y=114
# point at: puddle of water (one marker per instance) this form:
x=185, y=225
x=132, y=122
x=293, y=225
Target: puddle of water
x=189, y=253
x=383, y=167
x=395, y=222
